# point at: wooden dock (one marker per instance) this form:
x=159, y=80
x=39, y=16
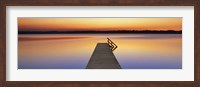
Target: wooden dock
x=103, y=58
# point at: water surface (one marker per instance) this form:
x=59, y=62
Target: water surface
x=73, y=51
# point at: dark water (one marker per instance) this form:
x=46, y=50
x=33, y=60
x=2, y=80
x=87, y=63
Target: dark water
x=72, y=51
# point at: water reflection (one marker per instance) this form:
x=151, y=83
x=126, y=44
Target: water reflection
x=72, y=51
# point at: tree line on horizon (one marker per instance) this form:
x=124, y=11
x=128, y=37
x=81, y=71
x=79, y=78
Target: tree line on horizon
x=105, y=32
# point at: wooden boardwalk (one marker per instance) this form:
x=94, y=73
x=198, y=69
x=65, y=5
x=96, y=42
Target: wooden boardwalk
x=103, y=58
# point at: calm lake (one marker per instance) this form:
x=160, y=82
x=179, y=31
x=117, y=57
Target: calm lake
x=73, y=51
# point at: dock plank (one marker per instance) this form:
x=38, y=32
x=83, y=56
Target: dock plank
x=103, y=58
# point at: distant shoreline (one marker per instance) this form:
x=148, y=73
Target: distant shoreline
x=103, y=32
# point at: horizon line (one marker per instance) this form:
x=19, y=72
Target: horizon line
x=88, y=30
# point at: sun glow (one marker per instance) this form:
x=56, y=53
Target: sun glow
x=65, y=24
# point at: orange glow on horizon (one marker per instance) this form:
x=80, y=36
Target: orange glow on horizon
x=59, y=24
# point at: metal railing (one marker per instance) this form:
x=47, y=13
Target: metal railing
x=112, y=45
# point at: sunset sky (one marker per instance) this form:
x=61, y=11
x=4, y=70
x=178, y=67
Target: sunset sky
x=103, y=24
